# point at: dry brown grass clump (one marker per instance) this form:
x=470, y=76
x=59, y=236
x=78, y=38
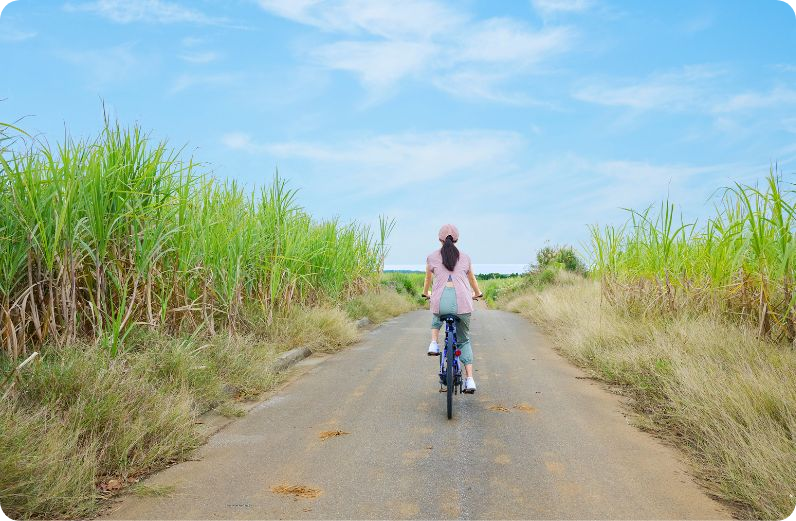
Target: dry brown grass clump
x=323, y=328
x=325, y=435
x=297, y=491
x=380, y=304
x=712, y=387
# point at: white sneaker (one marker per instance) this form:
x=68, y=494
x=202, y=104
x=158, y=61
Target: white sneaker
x=433, y=349
x=469, y=385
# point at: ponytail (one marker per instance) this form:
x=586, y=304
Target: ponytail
x=450, y=253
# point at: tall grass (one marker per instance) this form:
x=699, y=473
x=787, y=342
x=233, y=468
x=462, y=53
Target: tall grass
x=741, y=260
x=157, y=293
x=693, y=317
x=99, y=235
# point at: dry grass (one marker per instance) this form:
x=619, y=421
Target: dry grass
x=323, y=328
x=710, y=386
x=80, y=418
x=380, y=305
x=297, y=491
x=325, y=435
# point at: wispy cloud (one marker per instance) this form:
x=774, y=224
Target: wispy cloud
x=147, y=11
x=408, y=19
x=749, y=101
x=384, y=42
x=10, y=33
x=15, y=35
x=477, y=84
x=695, y=89
x=677, y=90
x=502, y=40
x=379, y=65
x=581, y=190
x=397, y=160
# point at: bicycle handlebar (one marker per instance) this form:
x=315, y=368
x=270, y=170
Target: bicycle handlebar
x=475, y=297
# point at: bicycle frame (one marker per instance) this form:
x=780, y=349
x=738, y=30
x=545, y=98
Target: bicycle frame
x=450, y=334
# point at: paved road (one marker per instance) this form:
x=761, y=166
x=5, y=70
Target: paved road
x=561, y=449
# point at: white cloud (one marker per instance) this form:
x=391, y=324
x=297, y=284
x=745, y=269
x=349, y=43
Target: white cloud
x=775, y=98
x=385, y=42
x=638, y=184
x=396, y=160
x=15, y=35
x=501, y=40
x=678, y=90
x=477, y=84
x=239, y=141
x=693, y=89
x=378, y=64
x=582, y=191
x=149, y=11
x=384, y=18
x=549, y=7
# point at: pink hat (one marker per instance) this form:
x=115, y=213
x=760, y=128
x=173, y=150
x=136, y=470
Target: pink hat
x=448, y=229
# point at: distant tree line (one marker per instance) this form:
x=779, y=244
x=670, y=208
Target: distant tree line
x=491, y=276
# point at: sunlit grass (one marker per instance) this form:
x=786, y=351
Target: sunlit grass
x=154, y=293
x=741, y=260
x=97, y=236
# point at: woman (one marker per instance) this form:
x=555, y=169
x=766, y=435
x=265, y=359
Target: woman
x=452, y=294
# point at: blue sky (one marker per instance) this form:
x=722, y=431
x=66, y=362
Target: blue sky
x=520, y=121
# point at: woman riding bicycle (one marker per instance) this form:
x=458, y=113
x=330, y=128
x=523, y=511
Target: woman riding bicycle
x=452, y=294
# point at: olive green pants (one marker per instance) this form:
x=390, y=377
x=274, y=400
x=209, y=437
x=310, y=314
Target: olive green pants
x=447, y=306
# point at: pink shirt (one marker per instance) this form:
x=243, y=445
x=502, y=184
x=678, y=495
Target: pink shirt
x=464, y=294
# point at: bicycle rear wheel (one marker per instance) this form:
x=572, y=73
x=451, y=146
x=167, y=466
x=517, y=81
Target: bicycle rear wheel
x=450, y=376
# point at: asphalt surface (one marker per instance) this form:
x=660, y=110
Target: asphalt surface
x=536, y=441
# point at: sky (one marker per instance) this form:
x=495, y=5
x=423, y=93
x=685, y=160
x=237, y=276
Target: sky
x=520, y=121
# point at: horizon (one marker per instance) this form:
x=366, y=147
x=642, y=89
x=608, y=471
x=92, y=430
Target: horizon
x=478, y=268
x=522, y=123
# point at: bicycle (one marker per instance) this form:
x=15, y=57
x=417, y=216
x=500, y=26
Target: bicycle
x=451, y=381
x=450, y=370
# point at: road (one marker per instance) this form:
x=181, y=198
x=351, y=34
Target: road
x=536, y=441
